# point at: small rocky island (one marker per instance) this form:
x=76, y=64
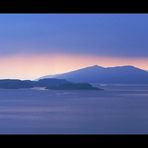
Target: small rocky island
x=48, y=83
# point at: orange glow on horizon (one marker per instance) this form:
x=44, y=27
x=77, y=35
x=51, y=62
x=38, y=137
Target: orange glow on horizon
x=33, y=66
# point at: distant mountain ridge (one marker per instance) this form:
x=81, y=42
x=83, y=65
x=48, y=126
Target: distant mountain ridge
x=110, y=75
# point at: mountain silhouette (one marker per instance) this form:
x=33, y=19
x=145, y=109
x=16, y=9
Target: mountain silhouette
x=110, y=75
x=48, y=83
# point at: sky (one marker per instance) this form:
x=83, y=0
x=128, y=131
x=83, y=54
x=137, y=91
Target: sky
x=34, y=45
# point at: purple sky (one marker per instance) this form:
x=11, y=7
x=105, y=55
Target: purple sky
x=96, y=34
x=32, y=45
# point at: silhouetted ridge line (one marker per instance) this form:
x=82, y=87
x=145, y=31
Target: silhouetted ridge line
x=48, y=83
x=110, y=75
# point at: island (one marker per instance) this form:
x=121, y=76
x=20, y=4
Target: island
x=47, y=83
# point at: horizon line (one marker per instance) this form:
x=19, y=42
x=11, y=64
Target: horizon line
x=95, y=65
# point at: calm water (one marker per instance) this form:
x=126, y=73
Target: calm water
x=117, y=109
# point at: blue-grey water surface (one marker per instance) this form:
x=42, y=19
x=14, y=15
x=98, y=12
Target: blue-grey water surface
x=119, y=109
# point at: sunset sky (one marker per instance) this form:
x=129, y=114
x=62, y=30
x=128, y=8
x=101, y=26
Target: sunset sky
x=34, y=45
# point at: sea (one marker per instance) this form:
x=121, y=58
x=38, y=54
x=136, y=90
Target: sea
x=118, y=109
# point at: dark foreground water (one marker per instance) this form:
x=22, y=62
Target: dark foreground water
x=117, y=109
